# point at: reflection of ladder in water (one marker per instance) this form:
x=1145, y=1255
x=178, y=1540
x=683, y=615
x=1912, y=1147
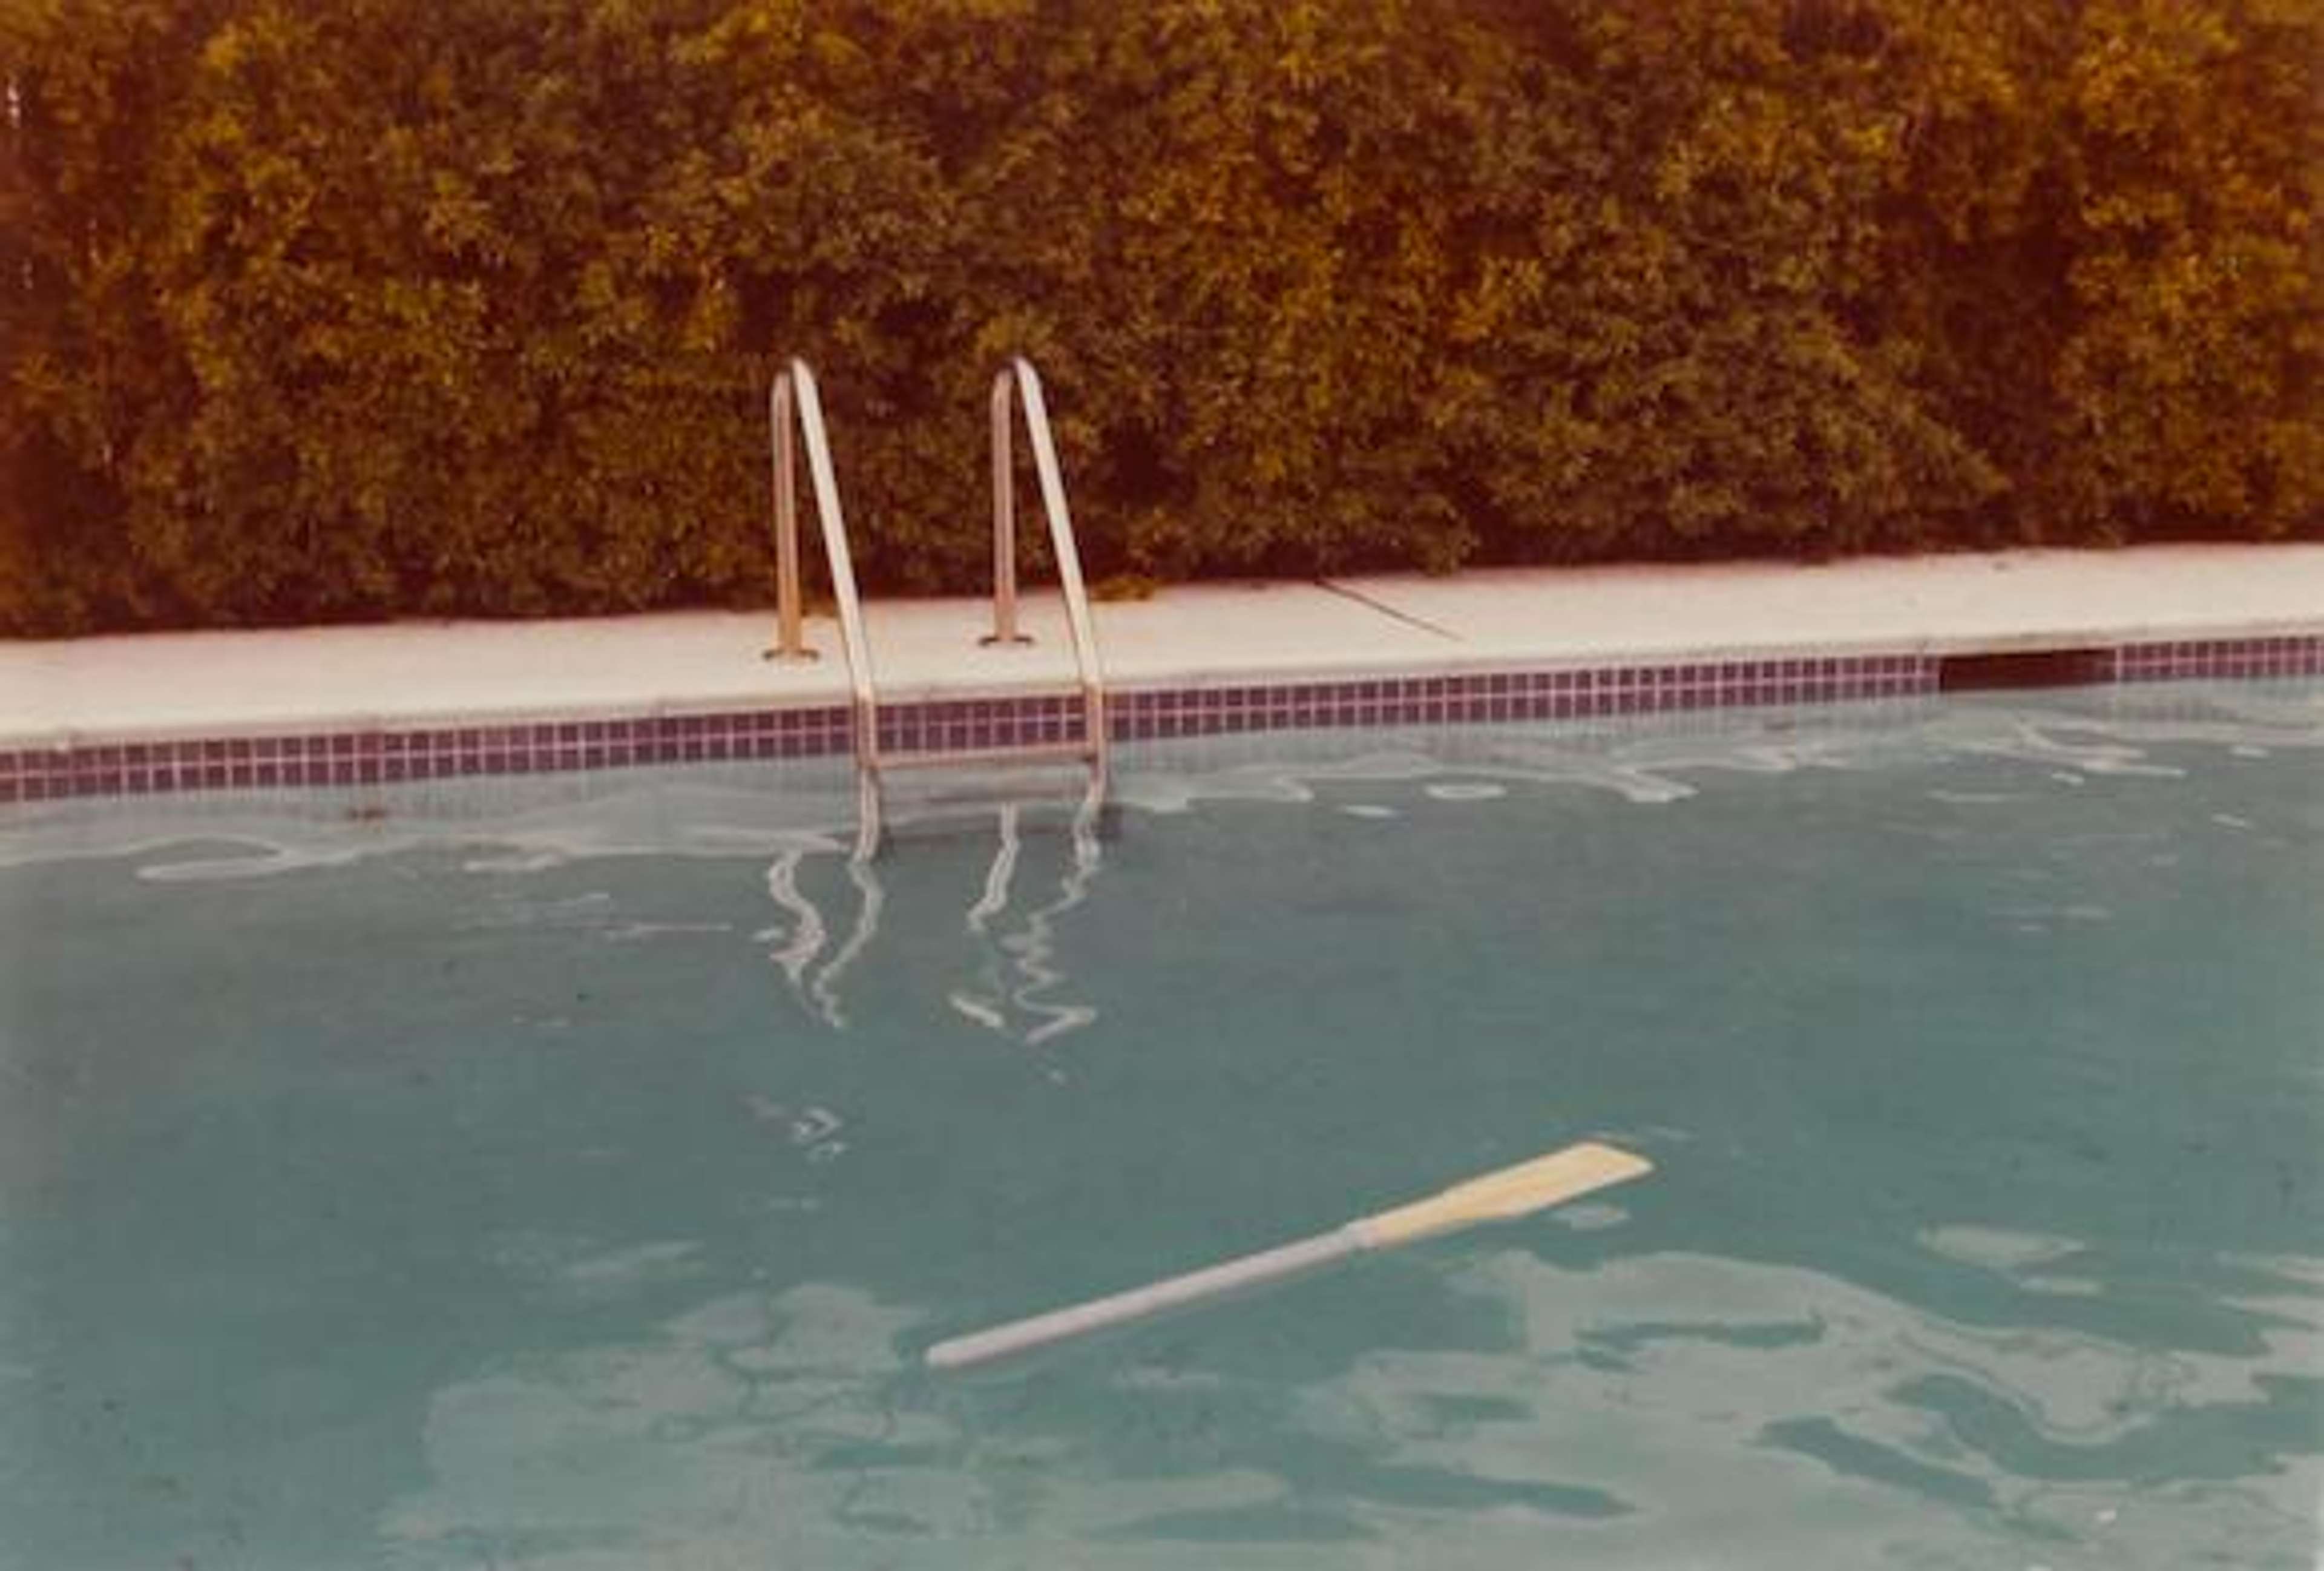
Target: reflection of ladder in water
x=794, y=398
x=1019, y=971
x=1002, y=1001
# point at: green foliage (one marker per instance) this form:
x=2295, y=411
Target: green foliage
x=381, y=307
x=2189, y=389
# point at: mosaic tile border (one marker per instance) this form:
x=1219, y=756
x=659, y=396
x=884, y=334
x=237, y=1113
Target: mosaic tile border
x=1523, y=695
x=2291, y=655
x=382, y=756
x=375, y=755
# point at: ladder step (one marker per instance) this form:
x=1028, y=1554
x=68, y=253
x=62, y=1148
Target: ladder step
x=1080, y=749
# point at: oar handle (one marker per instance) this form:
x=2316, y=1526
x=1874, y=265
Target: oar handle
x=1249, y=1270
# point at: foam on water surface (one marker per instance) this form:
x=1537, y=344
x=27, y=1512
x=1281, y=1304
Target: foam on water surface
x=533, y=823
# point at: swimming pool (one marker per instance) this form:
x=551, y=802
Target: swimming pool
x=567, y=1173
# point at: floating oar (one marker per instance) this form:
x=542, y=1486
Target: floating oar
x=1497, y=1197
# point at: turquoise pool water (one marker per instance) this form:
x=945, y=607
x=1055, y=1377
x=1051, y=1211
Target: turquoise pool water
x=568, y=1174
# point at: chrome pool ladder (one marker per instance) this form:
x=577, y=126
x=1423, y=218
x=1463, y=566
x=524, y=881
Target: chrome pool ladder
x=794, y=401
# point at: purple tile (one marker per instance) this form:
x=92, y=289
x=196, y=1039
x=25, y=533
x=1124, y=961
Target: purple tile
x=363, y=757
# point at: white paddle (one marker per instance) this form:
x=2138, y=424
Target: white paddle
x=1496, y=1196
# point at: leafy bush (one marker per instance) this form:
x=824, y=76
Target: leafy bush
x=381, y=308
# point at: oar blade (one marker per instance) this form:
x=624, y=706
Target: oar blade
x=1515, y=1191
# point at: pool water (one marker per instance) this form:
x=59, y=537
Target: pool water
x=569, y=1175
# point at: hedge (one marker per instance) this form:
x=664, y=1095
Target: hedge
x=393, y=306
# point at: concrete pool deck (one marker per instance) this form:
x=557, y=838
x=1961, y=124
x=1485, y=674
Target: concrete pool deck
x=73, y=693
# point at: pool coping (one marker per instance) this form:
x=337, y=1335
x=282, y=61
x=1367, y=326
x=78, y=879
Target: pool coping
x=351, y=707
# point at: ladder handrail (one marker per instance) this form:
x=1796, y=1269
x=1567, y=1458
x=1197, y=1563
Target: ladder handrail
x=793, y=399
x=1019, y=373
x=794, y=390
